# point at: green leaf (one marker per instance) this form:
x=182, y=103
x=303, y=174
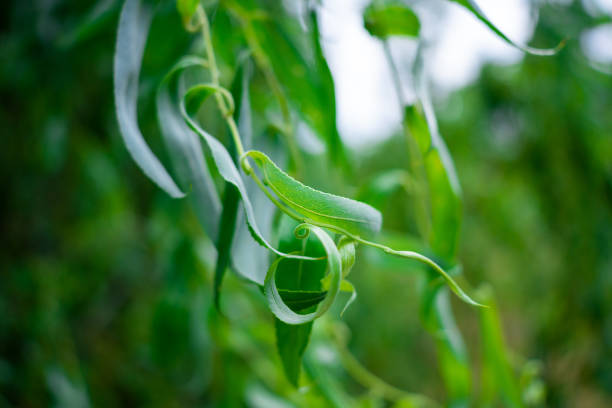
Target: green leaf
x=292, y=341
x=443, y=189
x=134, y=24
x=230, y=173
x=391, y=19
x=437, y=317
x=498, y=377
x=444, y=201
x=334, y=264
x=473, y=7
x=318, y=208
x=185, y=149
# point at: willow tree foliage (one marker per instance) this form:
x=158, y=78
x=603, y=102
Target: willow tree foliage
x=230, y=110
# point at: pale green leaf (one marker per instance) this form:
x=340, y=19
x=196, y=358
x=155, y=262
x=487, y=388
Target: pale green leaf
x=134, y=24
x=185, y=150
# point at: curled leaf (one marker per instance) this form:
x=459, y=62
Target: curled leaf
x=334, y=264
x=134, y=24
x=318, y=208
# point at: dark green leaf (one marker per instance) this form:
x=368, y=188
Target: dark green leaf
x=391, y=19
x=134, y=24
x=292, y=341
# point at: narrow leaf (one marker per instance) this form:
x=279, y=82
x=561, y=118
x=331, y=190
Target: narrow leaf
x=498, y=376
x=391, y=19
x=473, y=7
x=292, y=341
x=185, y=150
x=134, y=24
x=318, y=208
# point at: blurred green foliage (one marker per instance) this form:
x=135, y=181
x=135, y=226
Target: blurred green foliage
x=106, y=291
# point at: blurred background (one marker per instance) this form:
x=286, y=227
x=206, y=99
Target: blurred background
x=105, y=284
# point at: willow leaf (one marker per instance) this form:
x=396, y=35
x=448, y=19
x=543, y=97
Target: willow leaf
x=319, y=208
x=134, y=24
x=444, y=203
x=185, y=149
x=497, y=376
x=292, y=341
x=391, y=19
x=473, y=7
x=230, y=174
x=334, y=264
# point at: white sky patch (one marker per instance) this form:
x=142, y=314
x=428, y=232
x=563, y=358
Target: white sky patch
x=597, y=43
x=367, y=107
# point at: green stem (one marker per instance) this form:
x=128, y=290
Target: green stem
x=397, y=82
x=214, y=74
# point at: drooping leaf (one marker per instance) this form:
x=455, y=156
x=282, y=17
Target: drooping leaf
x=316, y=207
x=437, y=316
x=291, y=341
x=443, y=192
x=185, y=149
x=134, y=24
x=498, y=378
x=473, y=7
x=391, y=19
x=334, y=264
x=444, y=207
